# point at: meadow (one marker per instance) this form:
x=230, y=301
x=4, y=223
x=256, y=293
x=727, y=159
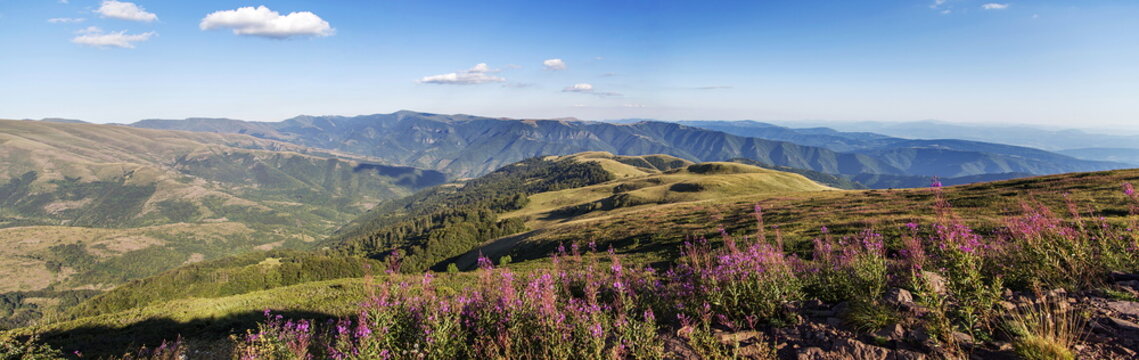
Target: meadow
x=727, y=293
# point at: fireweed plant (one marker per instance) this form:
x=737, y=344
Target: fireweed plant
x=592, y=305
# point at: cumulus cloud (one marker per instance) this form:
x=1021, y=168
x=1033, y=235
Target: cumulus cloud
x=554, y=64
x=94, y=36
x=994, y=6
x=125, y=11
x=65, y=20
x=588, y=89
x=263, y=22
x=478, y=74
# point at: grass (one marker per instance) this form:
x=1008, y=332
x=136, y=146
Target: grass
x=654, y=234
x=1046, y=331
x=649, y=187
x=799, y=216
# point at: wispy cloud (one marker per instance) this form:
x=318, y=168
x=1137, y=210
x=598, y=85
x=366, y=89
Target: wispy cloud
x=64, y=20
x=478, y=74
x=585, y=88
x=554, y=64
x=714, y=87
x=125, y=11
x=994, y=6
x=96, y=37
x=263, y=22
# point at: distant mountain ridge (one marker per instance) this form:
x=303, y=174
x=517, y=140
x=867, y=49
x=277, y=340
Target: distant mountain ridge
x=467, y=146
x=1021, y=135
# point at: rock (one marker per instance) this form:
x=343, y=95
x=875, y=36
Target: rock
x=898, y=297
x=737, y=337
x=679, y=348
x=963, y=338
x=908, y=355
x=756, y=351
x=833, y=321
x=1122, y=276
x=1124, y=307
x=1124, y=324
x=896, y=332
x=813, y=353
x=919, y=335
x=854, y=349
x=1129, y=285
x=841, y=309
x=814, y=304
x=936, y=282
x=820, y=313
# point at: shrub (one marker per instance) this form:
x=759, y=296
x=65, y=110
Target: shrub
x=12, y=348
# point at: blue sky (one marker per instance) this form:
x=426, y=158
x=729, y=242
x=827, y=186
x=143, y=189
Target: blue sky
x=1056, y=63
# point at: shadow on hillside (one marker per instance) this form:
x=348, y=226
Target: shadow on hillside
x=668, y=248
x=103, y=341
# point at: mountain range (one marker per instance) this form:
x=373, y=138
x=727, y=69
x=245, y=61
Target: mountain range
x=1021, y=135
x=467, y=146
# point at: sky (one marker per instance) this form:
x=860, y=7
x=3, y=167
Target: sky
x=1051, y=63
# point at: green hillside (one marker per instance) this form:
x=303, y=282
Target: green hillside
x=89, y=207
x=192, y=301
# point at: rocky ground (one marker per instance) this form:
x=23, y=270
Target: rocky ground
x=1110, y=330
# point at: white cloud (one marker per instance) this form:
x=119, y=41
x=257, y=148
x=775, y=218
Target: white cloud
x=94, y=36
x=579, y=88
x=125, y=11
x=478, y=74
x=65, y=20
x=994, y=6
x=588, y=89
x=263, y=22
x=554, y=64
x=937, y=3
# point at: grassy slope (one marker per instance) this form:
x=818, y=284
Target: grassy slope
x=86, y=206
x=653, y=232
x=638, y=185
x=650, y=234
x=645, y=234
